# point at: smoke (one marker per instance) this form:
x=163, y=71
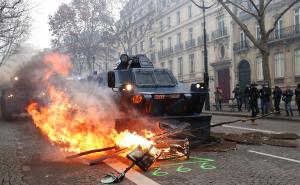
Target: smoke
x=15, y=63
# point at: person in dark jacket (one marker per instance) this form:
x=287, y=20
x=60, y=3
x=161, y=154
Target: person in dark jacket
x=253, y=96
x=287, y=98
x=246, y=97
x=265, y=94
x=277, y=93
x=238, y=96
x=297, y=98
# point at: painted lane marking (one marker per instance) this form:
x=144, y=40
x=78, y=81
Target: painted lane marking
x=132, y=175
x=252, y=129
x=274, y=156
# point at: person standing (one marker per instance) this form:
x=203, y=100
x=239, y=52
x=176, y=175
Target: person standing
x=238, y=96
x=297, y=98
x=265, y=94
x=253, y=96
x=246, y=97
x=287, y=98
x=277, y=93
x=218, y=98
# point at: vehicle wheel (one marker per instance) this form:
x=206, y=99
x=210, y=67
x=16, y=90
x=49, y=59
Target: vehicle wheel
x=5, y=115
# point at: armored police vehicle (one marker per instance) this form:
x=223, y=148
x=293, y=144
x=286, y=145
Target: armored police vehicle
x=144, y=91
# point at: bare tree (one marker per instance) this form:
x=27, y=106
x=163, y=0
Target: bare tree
x=81, y=29
x=258, y=9
x=129, y=32
x=14, y=25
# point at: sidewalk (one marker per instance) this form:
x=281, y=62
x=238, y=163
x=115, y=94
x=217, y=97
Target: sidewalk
x=229, y=112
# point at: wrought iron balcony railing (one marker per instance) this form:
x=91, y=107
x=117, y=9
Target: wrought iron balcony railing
x=190, y=43
x=165, y=52
x=178, y=47
x=241, y=46
x=201, y=39
x=285, y=33
x=219, y=33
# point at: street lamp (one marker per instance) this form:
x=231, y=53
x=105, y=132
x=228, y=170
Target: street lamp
x=205, y=75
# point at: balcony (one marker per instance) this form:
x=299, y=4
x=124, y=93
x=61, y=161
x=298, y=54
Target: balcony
x=178, y=47
x=285, y=33
x=201, y=40
x=165, y=52
x=190, y=44
x=219, y=33
x=241, y=46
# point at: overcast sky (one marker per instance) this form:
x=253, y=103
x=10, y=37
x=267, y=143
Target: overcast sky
x=40, y=35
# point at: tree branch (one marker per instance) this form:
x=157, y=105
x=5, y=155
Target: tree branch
x=280, y=15
x=242, y=25
x=254, y=5
x=242, y=8
x=267, y=4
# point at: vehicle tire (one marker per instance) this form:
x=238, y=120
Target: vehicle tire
x=5, y=115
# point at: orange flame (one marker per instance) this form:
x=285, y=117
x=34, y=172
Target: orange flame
x=67, y=125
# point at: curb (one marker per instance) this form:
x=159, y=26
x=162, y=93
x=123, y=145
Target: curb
x=282, y=117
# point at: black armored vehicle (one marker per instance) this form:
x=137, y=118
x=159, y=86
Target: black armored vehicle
x=144, y=91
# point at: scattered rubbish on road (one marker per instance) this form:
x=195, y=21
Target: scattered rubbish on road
x=259, y=138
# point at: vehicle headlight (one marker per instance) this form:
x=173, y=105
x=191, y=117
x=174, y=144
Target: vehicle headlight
x=197, y=86
x=128, y=87
x=10, y=96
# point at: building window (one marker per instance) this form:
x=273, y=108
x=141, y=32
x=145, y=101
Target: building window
x=135, y=32
x=180, y=66
x=162, y=65
x=242, y=38
x=169, y=22
x=142, y=45
x=136, y=48
x=170, y=65
x=278, y=29
x=164, y=3
x=151, y=42
x=141, y=30
x=191, y=62
x=190, y=33
x=161, y=45
x=279, y=65
x=178, y=17
x=297, y=62
x=221, y=25
x=178, y=38
x=129, y=35
x=258, y=34
x=259, y=69
x=152, y=57
x=161, y=26
x=190, y=11
x=297, y=19
x=169, y=42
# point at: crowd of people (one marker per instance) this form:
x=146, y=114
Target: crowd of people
x=251, y=94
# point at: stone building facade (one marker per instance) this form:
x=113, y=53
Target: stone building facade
x=284, y=45
x=176, y=42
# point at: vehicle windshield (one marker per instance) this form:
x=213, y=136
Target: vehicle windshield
x=154, y=78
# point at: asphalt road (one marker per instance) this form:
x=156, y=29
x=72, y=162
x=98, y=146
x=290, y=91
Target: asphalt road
x=26, y=157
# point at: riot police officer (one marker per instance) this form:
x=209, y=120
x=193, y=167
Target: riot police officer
x=253, y=96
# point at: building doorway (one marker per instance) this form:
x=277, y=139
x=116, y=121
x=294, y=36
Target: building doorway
x=224, y=83
x=244, y=74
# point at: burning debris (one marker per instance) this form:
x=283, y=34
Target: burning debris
x=83, y=122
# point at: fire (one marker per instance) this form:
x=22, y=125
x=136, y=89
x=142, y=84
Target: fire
x=72, y=127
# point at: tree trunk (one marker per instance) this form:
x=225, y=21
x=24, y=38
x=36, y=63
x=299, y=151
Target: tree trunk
x=267, y=74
